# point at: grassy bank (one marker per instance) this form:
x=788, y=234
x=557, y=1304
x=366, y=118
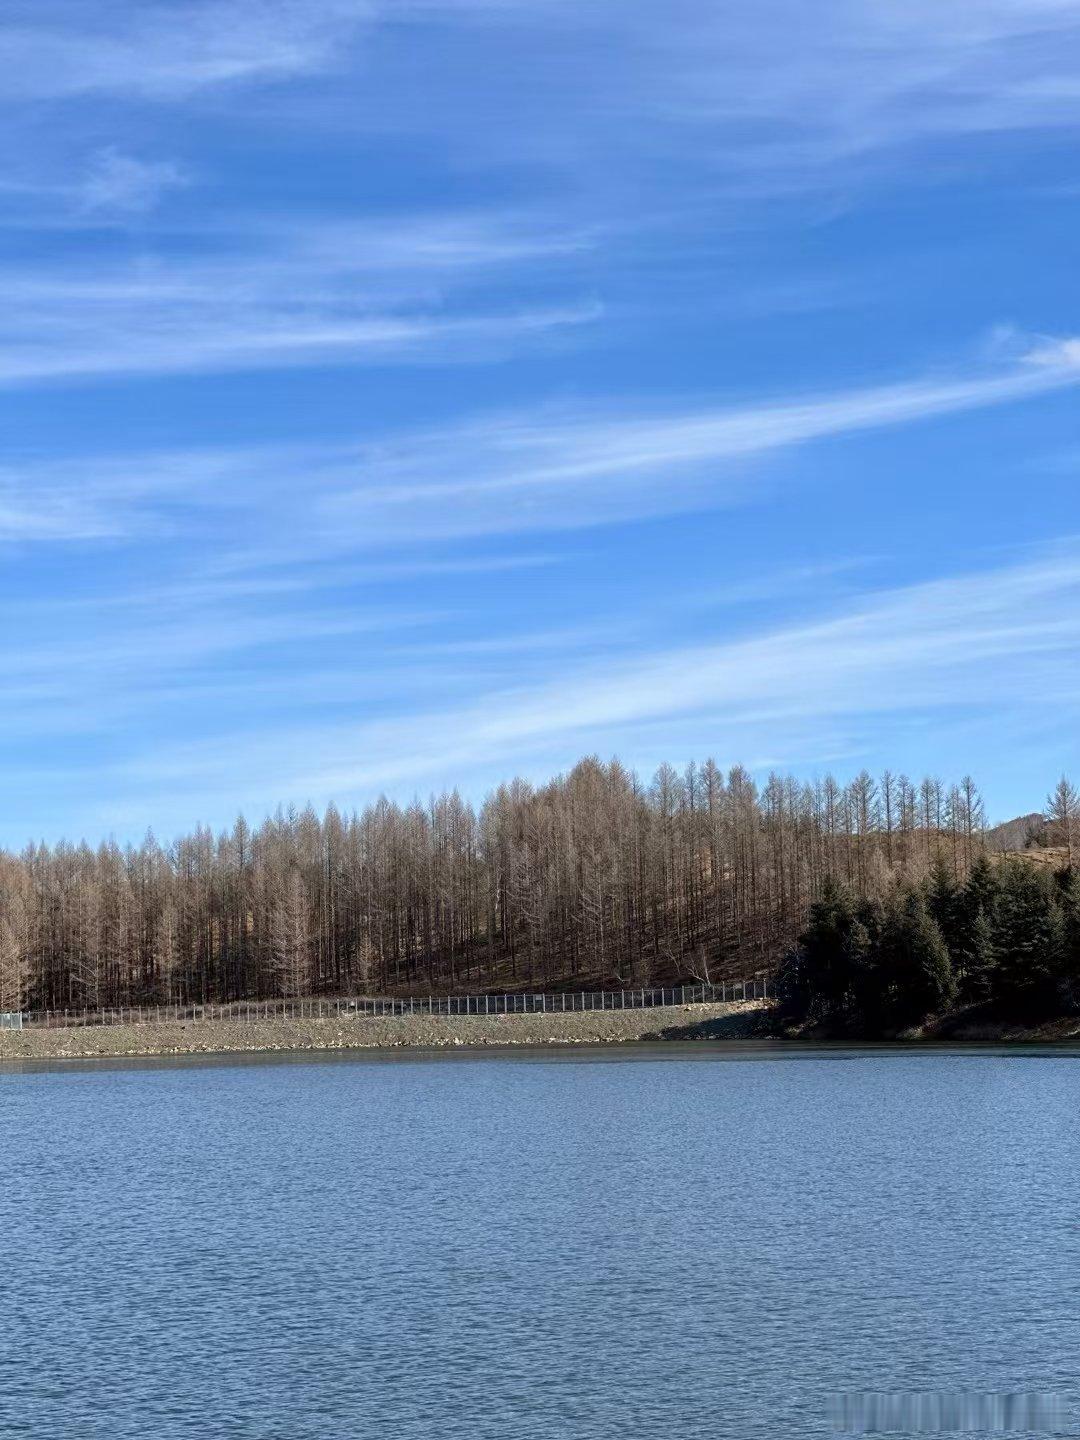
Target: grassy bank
x=592, y=1027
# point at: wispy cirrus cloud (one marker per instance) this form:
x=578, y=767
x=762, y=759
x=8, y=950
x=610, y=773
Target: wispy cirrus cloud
x=422, y=289
x=617, y=88
x=116, y=181
x=58, y=49
x=551, y=469
x=563, y=471
x=599, y=94
x=958, y=642
x=991, y=642
x=168, y=50
x=861, y=80
x=246, y=338
x=108, y=186
x=342, y=150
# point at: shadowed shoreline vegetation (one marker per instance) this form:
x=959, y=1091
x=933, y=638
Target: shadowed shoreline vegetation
x=594, y=879
x=1006, y=939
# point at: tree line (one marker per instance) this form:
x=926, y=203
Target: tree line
x=595, y=878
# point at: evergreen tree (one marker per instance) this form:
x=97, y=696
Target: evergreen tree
x=832, y=953
x=982, y=888
x=946, y=902
x=869, y=978
x=918, y=961
x=1030, y=939
x=1068, y=881
x=979, y=960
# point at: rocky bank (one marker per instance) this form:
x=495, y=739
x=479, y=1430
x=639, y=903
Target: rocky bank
x=741, y=1021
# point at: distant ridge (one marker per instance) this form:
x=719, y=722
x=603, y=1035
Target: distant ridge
x=1018, y=834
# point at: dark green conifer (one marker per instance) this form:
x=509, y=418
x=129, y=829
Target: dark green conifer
x=918, y=960
x=946, y=903
x=1069, y=898
x=979, y=960
x=832, y=953
x=1030, y=939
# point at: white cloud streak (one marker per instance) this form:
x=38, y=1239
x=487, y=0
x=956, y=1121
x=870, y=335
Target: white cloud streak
x=858, y=79
x=552, y=472
x=250, y=340
x=56, y=50
x=622, y=110
x=115, y=181
x=421, y=290
x=989, y=642
x=549, y=470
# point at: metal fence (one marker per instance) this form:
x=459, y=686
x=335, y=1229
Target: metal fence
x=361, y=1006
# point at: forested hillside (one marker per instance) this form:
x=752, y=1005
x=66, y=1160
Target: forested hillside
x=594, y=878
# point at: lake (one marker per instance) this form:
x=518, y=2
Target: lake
x=590, y=1244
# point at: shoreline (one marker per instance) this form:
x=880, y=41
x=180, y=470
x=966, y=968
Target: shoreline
x=737, y=1020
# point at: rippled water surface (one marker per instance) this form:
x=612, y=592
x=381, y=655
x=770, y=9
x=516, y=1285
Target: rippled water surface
x=587, y=1245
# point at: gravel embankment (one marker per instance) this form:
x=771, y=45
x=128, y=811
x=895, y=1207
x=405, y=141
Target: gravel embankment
x=594, y=1027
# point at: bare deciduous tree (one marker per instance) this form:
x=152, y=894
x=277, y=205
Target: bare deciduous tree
x=593, y=878
x=1063, y=815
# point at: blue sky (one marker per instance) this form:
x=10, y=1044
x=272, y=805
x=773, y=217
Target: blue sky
x=405, y=394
